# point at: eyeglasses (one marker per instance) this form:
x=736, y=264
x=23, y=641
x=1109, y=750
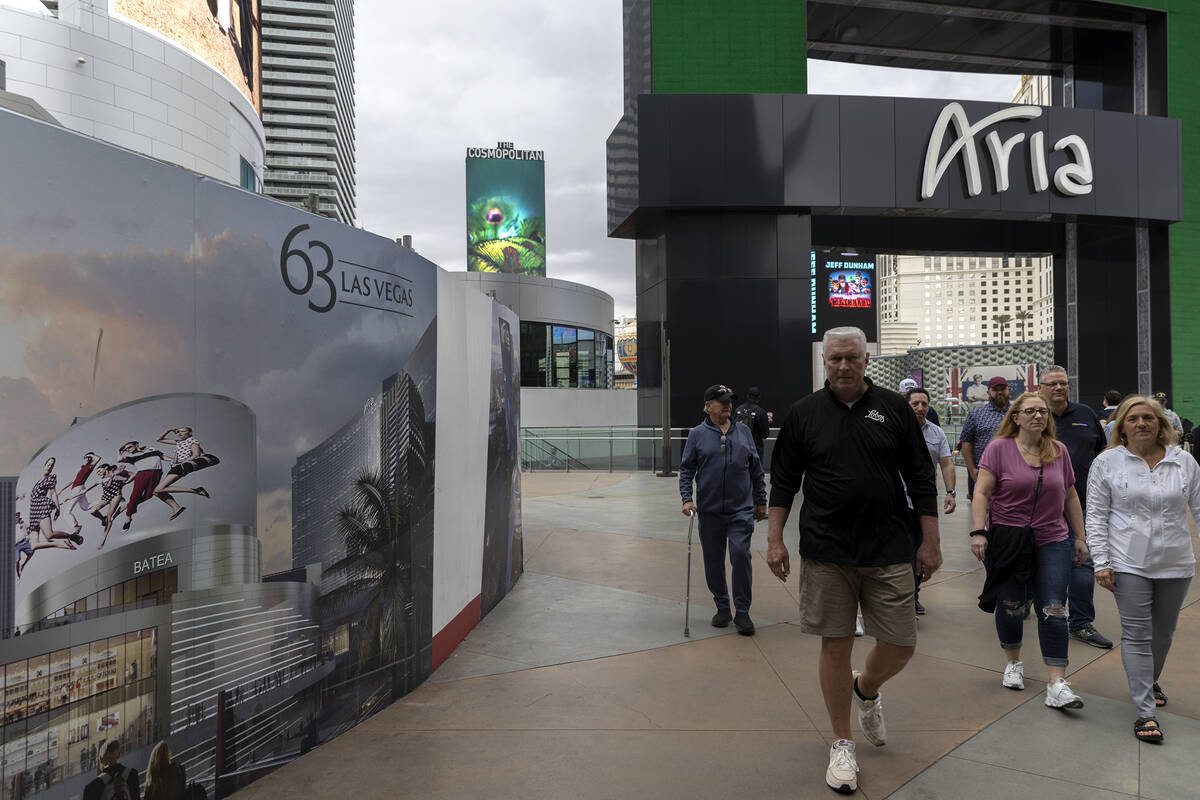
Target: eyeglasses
x=1035, y=412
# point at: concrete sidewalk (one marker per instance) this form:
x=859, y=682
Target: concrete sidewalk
x=581, y=685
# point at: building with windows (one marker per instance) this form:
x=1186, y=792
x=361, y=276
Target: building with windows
x=116, y=71
x=948, y=301
x=568, y=350
x=308, y=104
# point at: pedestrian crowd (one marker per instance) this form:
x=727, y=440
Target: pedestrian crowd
x=1061, y=500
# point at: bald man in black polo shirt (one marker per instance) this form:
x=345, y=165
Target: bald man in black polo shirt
x=849, y=444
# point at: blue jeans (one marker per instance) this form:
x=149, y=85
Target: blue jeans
x=1051, y=576
x=1080, y=593
x=734, y=530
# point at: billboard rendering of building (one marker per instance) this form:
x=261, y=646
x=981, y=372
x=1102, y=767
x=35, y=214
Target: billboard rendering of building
x=187, y=338
x=506, y=210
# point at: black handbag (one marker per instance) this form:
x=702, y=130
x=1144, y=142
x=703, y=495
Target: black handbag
x=1010, y=554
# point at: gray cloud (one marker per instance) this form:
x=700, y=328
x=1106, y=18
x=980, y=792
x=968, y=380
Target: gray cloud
x=546, y=75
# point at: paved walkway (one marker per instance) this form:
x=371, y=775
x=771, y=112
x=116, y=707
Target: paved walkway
x=581, y=685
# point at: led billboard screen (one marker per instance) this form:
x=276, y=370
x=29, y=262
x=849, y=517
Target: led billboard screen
x=844, y=291
x=222, y=33
x=506, y=210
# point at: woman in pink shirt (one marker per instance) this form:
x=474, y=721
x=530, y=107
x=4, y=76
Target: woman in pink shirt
x=1026, y=486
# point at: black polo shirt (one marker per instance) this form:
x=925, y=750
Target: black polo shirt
x=1080, y=430
x=849, y=462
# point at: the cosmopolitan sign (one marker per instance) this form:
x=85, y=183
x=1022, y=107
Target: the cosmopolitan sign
x=1072, y=179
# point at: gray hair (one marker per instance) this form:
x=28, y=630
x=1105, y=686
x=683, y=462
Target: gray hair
x=1053, y=368
x=845, y=332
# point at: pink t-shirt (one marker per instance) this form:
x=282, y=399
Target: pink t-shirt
x=1016, y=482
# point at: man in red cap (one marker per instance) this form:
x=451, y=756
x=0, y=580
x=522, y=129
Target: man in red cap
x=981, y=424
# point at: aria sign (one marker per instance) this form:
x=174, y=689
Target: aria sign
x=1072, y=179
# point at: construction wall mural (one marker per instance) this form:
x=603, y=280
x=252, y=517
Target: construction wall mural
x=219, y=415
x=502, y=563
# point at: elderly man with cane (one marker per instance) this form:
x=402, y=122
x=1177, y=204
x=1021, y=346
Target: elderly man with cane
x=731, y=494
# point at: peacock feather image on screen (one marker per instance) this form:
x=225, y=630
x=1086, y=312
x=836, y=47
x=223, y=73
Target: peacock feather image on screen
x=501, y=239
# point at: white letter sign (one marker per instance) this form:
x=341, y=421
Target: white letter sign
x=1071, y=179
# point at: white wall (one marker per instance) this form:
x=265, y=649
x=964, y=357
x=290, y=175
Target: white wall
x=576, y=408
x=464, y=364
x=537, y=299
x=134, y=88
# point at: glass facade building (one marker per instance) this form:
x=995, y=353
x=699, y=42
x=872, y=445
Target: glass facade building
x=565, y=357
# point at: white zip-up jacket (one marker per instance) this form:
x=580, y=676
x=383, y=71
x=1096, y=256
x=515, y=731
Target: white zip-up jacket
x=1136, y=518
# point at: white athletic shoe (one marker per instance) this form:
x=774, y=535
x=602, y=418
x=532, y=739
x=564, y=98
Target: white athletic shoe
x=870, y=716
x=842, y=775
x=1059, y=695
x=1014, y=675
x=858, y=628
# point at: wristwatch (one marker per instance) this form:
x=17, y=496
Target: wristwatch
x=952, y=492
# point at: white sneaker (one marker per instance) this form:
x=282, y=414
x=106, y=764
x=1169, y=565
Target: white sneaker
x=858, y=628
x=842, y=775
x=1059, y=695
x=1014, y=675
x=870, y=716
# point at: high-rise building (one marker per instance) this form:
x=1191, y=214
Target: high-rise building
x=308, y=104
x=958, y=301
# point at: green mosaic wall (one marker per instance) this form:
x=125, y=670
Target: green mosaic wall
x=1183, y=100
x=729, y=47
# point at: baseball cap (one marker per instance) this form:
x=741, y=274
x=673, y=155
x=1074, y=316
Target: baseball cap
x=997, y=381
x=907, y=383
x=718, y=391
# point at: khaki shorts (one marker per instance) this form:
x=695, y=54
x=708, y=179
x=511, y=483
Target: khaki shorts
x=831, y=594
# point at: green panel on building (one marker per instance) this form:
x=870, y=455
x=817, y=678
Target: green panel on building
x=1183, y=99
x=724, y=47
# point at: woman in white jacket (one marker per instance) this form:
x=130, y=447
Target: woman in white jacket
x=1138, y=494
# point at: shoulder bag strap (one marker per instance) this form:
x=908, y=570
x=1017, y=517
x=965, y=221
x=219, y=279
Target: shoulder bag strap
x=1037, y=491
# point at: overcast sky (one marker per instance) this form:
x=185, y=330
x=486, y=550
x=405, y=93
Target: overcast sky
x=437, y=78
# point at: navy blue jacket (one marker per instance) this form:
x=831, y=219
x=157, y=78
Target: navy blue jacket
x=729, y=478
x=1080, y=430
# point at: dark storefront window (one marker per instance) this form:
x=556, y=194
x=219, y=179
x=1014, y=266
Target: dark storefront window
x=587, y=359
x=565, y=356
x=535, y=354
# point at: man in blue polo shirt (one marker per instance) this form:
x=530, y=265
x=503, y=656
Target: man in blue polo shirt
x=981, y=424
x=1077, y=427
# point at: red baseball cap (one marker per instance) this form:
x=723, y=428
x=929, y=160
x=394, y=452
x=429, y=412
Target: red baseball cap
x=997, y=381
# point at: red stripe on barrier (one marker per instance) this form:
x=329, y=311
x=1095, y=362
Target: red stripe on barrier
x=449, y=637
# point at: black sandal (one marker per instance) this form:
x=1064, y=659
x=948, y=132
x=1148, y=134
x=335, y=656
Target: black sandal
x=1160, y=699
x=1142, y=725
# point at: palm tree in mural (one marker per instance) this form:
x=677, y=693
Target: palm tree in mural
x=1002, y=320
x=375, y=529
x=1021, y=317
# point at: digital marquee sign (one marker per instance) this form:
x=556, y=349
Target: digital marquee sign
x=843, y=286
x=506, y=210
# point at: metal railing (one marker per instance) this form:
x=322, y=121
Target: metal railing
x=628, y=448
x=618, y=448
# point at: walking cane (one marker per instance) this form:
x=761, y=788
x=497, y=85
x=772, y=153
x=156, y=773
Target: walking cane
x=688, y=591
